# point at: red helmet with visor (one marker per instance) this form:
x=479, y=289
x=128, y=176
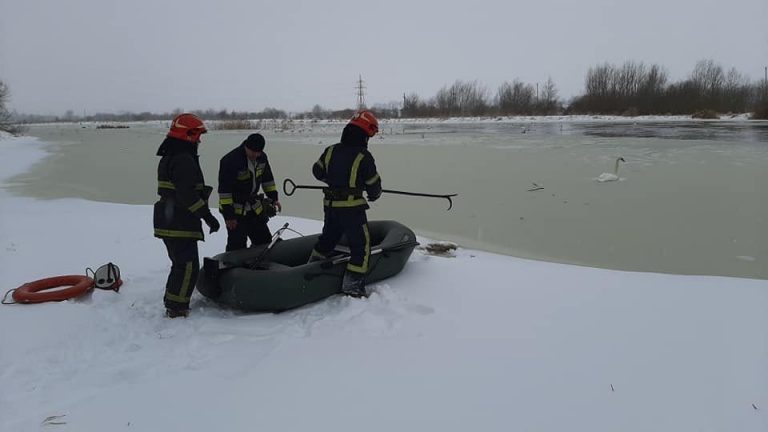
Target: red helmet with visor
x=187, y=127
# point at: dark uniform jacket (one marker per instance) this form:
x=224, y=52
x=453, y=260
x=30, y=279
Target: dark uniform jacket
x=236, y=183
x=349, y=169
x=183, y=193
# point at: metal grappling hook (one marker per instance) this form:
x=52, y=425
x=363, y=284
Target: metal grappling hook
x=289, y=187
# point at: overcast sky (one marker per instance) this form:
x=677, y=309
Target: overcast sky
x=157, y=55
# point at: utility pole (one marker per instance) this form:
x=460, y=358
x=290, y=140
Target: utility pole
x=360, y=93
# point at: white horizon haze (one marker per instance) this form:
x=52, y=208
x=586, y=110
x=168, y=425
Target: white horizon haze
x=109, y=56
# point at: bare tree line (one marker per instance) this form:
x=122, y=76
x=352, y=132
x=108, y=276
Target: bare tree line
x=470, y=98
x=629, y=89
x=640, y=89
x=210, y=114
x=7, y=122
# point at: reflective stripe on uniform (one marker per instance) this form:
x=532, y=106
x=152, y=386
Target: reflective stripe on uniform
x=353, y=172
x=163, y=184
x=372, y=180
x=256, y=207
x=178, y=234
x=225, y=199
x=197, y=206
x=269, y=186
x=364, y=267
x=177, y=299
x=346, y=203
x=185, y=291
x=328, y=157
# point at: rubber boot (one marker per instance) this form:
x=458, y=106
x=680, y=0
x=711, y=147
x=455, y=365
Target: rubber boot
x=353, y=284
x=176, y=313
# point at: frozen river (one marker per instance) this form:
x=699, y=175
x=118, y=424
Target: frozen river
x=692, y=196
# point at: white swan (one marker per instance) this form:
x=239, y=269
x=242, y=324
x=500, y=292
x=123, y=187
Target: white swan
x=606, y=177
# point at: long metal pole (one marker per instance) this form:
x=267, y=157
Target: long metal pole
x=289, y=187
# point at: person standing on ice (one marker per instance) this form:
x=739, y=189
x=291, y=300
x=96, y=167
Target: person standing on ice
x=183, y=203
x=348, y=168
x=241, y=172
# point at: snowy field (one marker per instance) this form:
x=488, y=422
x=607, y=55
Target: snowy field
x=474, y=342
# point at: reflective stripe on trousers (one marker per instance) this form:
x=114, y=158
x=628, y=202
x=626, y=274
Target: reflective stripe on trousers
x=185, y=266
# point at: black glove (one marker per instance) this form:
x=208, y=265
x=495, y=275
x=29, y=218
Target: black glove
x=212, y=223
x=207, y=190
x=269, y=207
x=374, y=197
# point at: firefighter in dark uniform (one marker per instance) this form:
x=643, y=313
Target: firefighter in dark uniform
x=246, y=212
x=183, y=203
x=349, y=169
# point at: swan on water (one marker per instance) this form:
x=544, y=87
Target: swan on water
x=606, y=177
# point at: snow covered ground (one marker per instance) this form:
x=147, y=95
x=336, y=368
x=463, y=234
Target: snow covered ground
x=475, y=342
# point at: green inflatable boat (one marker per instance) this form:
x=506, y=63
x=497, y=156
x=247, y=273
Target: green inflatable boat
x=277, y=277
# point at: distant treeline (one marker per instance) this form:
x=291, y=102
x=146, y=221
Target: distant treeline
x=639, y=89
x=470, y=98
x=630, y=89
x=7, y=122
x=209, y=114
x=70, y=116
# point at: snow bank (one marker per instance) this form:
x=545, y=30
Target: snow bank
x=472, y=342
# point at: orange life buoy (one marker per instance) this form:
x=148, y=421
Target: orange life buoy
x=35, y=291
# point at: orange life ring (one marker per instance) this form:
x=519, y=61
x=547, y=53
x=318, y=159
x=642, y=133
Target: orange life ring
x=34, y=292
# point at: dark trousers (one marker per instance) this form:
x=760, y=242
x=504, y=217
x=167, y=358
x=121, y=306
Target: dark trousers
x=185, y=265
x=354, y=224
x=251, y=227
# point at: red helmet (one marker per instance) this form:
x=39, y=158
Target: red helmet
x=366, y=121
x=187, y=127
